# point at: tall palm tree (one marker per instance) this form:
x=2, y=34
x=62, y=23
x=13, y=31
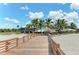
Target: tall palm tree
x=35, y=23
x=49, y=24
x=41, y=25
x=73, y=25
x=63, y=24
x=60, y=24
x=17, y=27
x=28, y=26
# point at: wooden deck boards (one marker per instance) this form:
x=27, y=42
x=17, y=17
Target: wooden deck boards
x=35, y=46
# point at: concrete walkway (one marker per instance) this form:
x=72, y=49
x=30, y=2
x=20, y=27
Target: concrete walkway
x=36, y=46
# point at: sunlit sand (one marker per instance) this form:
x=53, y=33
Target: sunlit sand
x=68, y=42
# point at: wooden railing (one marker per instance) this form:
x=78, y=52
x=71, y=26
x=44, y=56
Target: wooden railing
x=55, y=47
x=6, y=45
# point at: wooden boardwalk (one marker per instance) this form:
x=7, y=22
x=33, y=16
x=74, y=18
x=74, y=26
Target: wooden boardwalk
x=36, y=46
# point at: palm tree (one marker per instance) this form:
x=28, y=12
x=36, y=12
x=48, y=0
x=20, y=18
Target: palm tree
x=35, y=23
x=60, y=25
x=73, y=25
x=63, y=24
x=17, y=27
x=29, y=27
x=49, y=24
x=41, y=24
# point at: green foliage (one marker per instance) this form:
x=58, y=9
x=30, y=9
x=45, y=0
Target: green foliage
x=35, y=23
x=29, y=26
x=17, y=32
x=61, y=24
x=73, y=26
x=48, y=22
x=17, y=26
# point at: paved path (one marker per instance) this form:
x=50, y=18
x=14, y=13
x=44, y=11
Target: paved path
x=35, y=46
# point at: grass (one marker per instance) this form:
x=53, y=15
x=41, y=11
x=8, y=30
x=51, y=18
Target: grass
x=8, y=33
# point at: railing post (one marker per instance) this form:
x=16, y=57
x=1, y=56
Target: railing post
x=17, y=42
x=54, y=49
x=23, y=39
x=59, y=51
x=58, y=45
x=6, y=46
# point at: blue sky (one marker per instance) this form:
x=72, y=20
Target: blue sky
x=12, y=14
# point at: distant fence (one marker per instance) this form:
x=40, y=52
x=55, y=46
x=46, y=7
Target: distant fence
x=6, y=45
x=56, y=50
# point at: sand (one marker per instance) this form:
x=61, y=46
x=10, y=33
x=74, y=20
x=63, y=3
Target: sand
x=12, y=36
x=69, y=43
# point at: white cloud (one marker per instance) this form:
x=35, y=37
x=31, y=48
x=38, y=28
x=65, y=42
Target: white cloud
x=70, y=17
x=74, y=6
x=8, y=25
x=35, y=15
x=28, y=22
x=62, y=3
x=24, y=7
x=4, y=4
x=55, y=14
x=11, y=20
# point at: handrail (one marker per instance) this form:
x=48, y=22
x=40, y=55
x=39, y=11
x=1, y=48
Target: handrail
x=14, y=42
x=55, y=47
x=6, y=45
